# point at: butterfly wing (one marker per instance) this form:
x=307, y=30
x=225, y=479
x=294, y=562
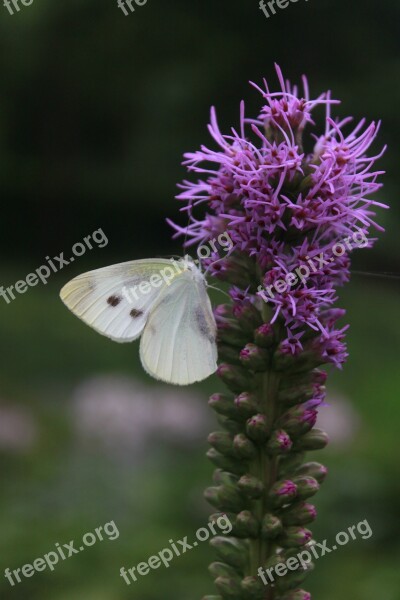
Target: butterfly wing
x=116, y=300
x=178, y=342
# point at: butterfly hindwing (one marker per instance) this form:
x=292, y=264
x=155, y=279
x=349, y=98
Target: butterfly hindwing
x=178, y=342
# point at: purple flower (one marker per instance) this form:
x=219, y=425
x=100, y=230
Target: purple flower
x=288, y=210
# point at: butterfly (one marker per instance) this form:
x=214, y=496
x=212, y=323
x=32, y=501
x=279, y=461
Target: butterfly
x=163, y=301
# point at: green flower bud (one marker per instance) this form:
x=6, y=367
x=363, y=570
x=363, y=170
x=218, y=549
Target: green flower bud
x=223, y=477
x=279, y=442
x=229, y=354
x=251, y=486
x=257, y=428
x=223, y=404
x=246, y=525
x=306, y=486
x=243, y=447
x=294, y=536
x=215, y=516
x=316, y=439
x=226, y=463
x=222, y=442
x=294, y=595
x=246, y=405
x=253, y=588
x=264, y=336
x=230, y=425
x=229, y=587
x=282, y=492
x=287, y=464
x=254, y=358
x=248, y=316
x=220, y=569
x=300, y=513
x=231, y=551
x=294, y=578
x=297, y=394
x=305, y=361
x=313, y=469
x=230, y=332
x=225, y=497
x=271, y=526
x=298, y=420
x=235, y=378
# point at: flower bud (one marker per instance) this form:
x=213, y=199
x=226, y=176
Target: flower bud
x=300, y=513
x=279, y=442
x=313, y=469
x=294, y=595
x=225, y=497
x=243, y=447
x=223, y=311
x=248, y=316
x=221, y=441
x=232, y=426
x=287, y=464
x=256, y=428
x=271, y=526
x=254, y=358
x=229, y=332
x=221, y=477
x=229, y=354
x=220, y=569
x=222, y=404
x=229, y=587
x=230, y=271
x=253, y=588
x=246, y=405
x=316, y=439
x=294, y=537
x=294, y=578
x=305, y=361
x=246, y=525
x=235, y=378
x=296, y=394
x=319, y=376
x=226, y=463
x=230, y=550
x=264, y=336
x=306, y=486
x=251, y=486
x=282, y=492
x=299, y=419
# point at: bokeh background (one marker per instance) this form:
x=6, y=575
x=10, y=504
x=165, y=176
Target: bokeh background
x=96, y=110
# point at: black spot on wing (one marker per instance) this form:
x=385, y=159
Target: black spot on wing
x=136, y=313
x=114, y=300
x=204, y=326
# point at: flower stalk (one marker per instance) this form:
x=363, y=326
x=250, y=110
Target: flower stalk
x=288, y=213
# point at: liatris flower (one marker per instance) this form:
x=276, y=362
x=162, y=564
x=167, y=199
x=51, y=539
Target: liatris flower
x=293, y=212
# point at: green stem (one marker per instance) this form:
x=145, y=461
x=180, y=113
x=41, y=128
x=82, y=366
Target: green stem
x=265, y=468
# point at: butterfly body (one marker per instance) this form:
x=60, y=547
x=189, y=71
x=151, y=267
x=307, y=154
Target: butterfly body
x=163, y=301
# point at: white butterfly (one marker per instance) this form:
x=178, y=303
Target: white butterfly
x=164, y=301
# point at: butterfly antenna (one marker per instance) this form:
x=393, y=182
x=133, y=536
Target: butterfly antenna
x=218, y=290
x=382, y=275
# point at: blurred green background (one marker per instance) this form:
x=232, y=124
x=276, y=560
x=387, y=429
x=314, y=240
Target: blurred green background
x=96, y=111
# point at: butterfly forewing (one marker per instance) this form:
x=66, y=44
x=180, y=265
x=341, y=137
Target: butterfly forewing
x=110, y=299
